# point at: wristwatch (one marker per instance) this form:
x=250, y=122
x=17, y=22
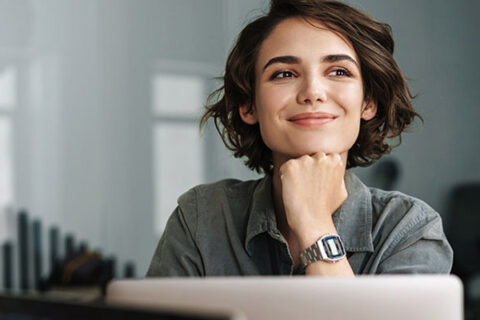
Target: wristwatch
x=328, y=248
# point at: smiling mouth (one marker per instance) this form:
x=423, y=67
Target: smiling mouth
x=312, y=119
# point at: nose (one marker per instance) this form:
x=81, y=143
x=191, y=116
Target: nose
x=312, y=90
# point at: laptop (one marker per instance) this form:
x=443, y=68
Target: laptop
x=38, y=308
x=412, y=297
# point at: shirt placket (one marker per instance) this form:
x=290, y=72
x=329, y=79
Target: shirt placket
x=285, y=258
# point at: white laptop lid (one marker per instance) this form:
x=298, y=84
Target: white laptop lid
x=364, y=297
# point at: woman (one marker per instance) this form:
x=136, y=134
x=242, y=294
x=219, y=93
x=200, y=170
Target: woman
x=310, y=90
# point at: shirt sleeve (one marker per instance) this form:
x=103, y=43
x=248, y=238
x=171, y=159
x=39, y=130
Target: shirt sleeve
x=419, y=247
x=177, y=254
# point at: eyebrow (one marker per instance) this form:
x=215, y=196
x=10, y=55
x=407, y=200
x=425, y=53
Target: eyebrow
x=339, y=57
x=282, y=59
x=294, y=60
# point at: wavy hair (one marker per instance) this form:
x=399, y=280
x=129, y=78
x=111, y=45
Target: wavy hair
x=383, y=82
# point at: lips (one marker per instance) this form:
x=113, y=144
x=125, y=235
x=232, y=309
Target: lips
x=312, y=119
x=312, y=115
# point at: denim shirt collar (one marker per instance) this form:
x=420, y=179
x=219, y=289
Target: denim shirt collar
x=353, y=220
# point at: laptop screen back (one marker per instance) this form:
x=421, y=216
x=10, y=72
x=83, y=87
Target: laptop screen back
x=363, y=297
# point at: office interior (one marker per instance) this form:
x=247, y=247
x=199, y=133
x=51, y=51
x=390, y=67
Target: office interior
x=99, y=109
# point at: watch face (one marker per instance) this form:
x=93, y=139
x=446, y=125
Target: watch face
x=333, y=247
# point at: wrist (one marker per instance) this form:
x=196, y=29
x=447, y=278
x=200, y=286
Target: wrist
x=310, y=234
x=328, y=248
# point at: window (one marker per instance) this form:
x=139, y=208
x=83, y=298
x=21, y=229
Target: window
x=179, y=93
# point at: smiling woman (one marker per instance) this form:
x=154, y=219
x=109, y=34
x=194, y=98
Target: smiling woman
x=310, y=90
x=320, y=91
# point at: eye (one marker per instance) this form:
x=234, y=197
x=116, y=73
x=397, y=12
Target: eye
x=282, y=74
x=340, y=73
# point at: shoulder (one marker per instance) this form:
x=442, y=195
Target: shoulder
x=388, y=211
x=217, y=191
x=398, y=202
x=223, y=206
x=404, y=218
x=225, y=198
x=399, y=205
x=408, y=235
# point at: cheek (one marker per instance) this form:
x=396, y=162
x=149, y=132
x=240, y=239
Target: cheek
x=349, y=97
x=269, y=99
x=350, y=100
x=353, y=131
x=269, y=102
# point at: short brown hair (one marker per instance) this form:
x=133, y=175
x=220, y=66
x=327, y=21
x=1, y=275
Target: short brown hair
x=383, y=82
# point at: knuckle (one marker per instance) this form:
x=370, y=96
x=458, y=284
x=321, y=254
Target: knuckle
x=338, y=158
x=287, y=166
x=304, y=158
x=319, y=155
x=322, y=157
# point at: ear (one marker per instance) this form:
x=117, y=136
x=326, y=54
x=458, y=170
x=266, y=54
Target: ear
x=369, y=110
x=248, y=116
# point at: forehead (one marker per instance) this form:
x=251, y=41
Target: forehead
x=305, y=39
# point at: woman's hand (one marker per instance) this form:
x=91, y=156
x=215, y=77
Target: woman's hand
x=313, y=187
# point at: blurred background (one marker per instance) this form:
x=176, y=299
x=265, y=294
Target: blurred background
x=100, y=100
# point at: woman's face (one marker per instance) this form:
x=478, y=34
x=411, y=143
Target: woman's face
x=309, y=92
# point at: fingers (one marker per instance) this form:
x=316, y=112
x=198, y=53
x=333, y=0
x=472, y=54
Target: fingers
x=333, y=158
x=320, y=155
x=318, y=160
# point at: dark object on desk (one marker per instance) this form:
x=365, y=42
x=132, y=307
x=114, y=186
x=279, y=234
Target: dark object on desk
x=20, y=308
x=23, y=246
x=463, y=229
x=82, y=269
x=75, y=270
x=129, y=271
x=37, y=253
x=463, y=232
x=53, y=240
x=111, y=265
x=70, y=249
x=83, y=247
x=7, y=255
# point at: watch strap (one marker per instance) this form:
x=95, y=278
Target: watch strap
x=328, y=247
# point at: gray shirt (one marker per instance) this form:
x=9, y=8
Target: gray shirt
x=229, y=228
